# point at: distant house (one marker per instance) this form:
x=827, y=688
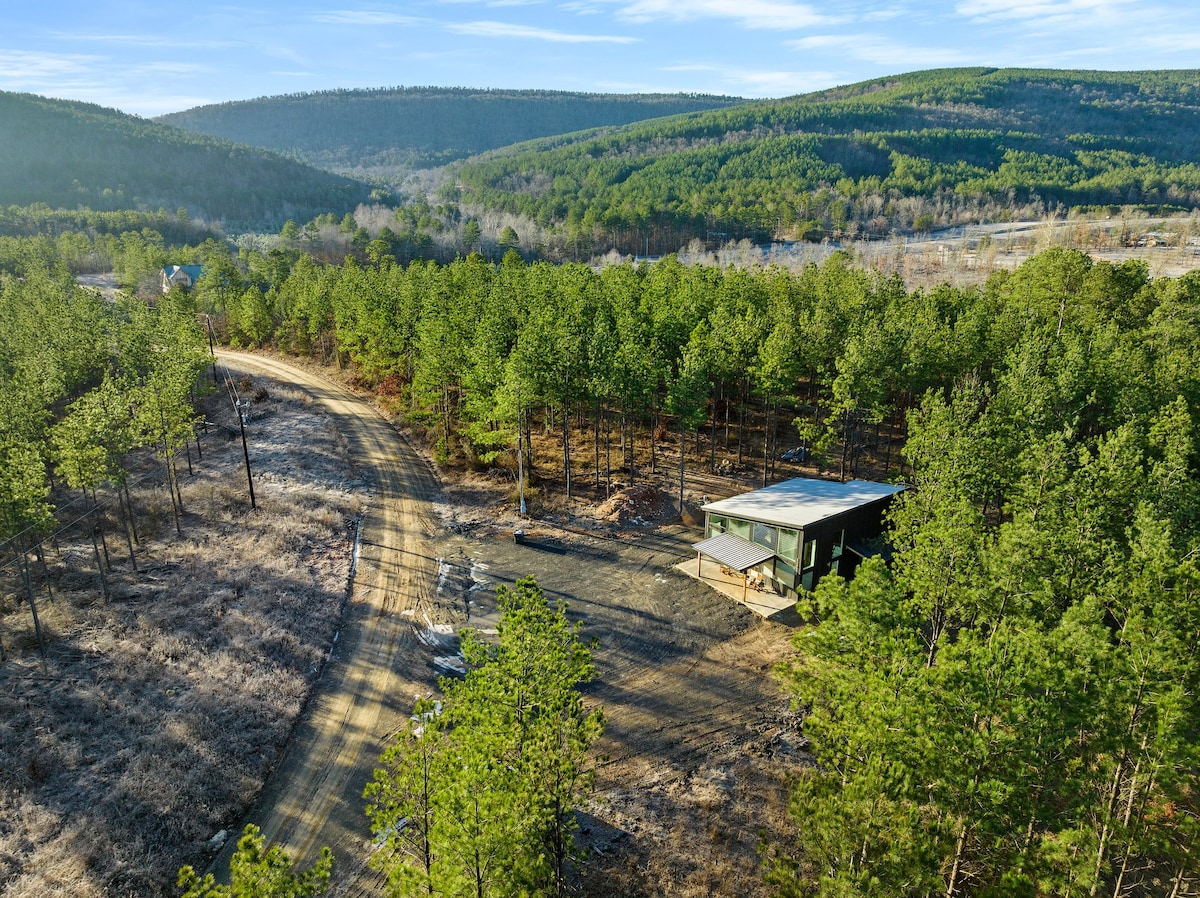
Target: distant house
x=785, y=537
x=180, y=276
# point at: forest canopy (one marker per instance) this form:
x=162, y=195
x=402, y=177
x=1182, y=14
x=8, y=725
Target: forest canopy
x=1009, y=708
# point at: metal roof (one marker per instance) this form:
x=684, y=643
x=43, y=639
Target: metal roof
x=802, y=501
x=730, y=549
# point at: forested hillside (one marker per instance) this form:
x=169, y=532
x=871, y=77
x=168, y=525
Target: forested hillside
x=76, y=155
x=80, y=227
x=418, y=127
x=911, y=151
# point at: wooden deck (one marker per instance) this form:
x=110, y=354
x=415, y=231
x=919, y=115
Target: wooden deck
x=765, y=602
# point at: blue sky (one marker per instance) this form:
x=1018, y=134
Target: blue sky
x=153, y=56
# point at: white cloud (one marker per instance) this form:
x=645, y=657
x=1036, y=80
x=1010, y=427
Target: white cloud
x=1040, y=10
x=364, y=17
x=885, y=51
x=775, y=14
x=149, y=105
x=95, y=79
x=163, y=41
x=751, y=83
x=1175, y=42
x=690, y=67
x=172, y=67
x=781, y=84
x=1092, y=57
x=30, y=66
x=890, y=11
x=492, y=2
x=506, y=29
x=583, y=7
x=297, y=56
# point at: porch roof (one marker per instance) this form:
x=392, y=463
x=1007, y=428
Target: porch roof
x=733, y=551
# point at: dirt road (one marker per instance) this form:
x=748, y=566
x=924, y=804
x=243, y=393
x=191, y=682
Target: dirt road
x=699, y=743
x=378, y=665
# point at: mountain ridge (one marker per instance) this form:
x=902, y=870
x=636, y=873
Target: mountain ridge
x=387, y=129
x=894, y=154
x=939, y=146
x=70, y=154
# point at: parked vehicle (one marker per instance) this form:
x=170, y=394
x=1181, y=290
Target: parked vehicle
x=798, y=455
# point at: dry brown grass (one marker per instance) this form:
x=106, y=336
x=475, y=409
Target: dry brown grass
x=156, y=718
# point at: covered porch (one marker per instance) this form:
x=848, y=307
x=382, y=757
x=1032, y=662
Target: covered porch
x=730, y=565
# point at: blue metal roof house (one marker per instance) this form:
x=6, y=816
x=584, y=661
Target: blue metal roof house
x=180, y=275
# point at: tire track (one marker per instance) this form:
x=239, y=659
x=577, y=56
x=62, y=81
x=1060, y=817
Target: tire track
x=377, y=667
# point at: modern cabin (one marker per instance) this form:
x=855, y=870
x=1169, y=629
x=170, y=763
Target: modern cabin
x=785, y=537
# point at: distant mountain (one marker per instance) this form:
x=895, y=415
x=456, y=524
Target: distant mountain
x=920, y=149
x=68, y=154
x=385, y=130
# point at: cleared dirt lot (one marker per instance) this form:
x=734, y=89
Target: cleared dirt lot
x=699, y=743
x=243, y=672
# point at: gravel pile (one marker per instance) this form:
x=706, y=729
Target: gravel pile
x=643, y=504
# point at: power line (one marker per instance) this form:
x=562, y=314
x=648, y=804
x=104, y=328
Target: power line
x=64, y=528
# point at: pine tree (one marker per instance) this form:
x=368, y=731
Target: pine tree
x=477, y=795
x=256, y=871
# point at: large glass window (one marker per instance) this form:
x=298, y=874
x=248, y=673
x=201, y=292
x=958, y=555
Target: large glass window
x=763, y=535
x=810, y=554
x=716, y=524
x=739, y=527
x=789, y=544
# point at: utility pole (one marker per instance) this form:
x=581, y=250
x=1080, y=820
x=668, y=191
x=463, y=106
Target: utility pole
x=245, y=451
x=239, y=407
